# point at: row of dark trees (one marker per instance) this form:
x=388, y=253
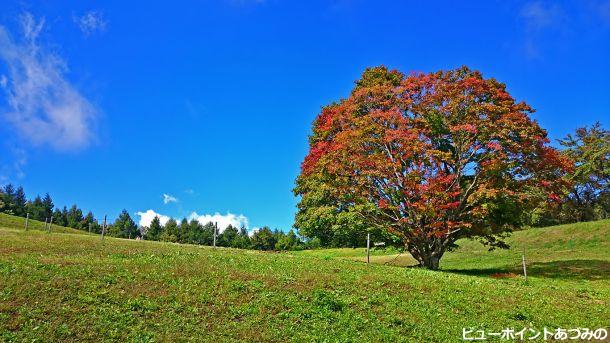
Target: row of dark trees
x=193, y=232
x=13, y=201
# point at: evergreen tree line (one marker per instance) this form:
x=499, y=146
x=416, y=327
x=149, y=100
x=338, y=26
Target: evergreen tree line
x=13, y=201
x=193, y=232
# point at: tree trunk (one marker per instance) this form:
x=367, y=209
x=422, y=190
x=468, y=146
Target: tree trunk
x=431, y=262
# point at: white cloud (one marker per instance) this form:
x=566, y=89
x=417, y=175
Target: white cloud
x=539, y=15
x=222, y=220
x=31, y=28
x=148, y=216
x=168, y=198
x=90, y=22
x=540, y=18
x=42, y=104
x=11, y=164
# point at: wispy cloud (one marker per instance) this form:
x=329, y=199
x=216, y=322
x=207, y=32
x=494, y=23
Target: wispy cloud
x=43, y=106
x=91, y=22
x=169, y=198
x=240, y=3
x=11, y=164
x=538, y=17
x=603, y=10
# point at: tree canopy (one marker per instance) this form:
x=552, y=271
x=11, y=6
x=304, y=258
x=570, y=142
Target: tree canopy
x=427, y=159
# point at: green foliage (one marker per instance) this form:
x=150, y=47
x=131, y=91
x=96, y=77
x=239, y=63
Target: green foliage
x=288, y=241
x=48, y=205
x=36, y=209
x=59, y=217
x=263, y=239
x=332, y=220
x=228, y=236
x=589, y=198
x=74, y=217
x=154, y=230
x=170, y=232
x=124, y=226
x=8, y=199
x=19, y=202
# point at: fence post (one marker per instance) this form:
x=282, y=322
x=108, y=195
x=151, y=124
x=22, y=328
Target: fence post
x=50, y=223
x=524, y=268
x=104, y=227
x=27, y=218
x=215, y=230
x=89, y=227
x=368, y=248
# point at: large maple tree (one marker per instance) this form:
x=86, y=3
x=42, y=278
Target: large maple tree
x=428, y=158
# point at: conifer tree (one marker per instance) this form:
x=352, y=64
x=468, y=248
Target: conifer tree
x=154, y=230
x=8, y=198
x=124, y=226
x=19, y=202
x=170, y=232
x=48, y=206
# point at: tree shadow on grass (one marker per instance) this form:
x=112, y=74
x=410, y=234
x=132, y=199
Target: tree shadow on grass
x=569, y=269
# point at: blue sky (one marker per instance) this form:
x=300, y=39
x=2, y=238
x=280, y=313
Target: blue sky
x=112, y=105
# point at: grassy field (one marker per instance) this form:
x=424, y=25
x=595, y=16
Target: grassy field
x=74, y=287
x=13, y=222
x=575, y=251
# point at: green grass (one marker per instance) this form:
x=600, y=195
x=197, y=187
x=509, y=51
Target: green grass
x=13, y=222
x=69, y=287
x=574, y=251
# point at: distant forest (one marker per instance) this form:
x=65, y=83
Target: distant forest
x=14, y=201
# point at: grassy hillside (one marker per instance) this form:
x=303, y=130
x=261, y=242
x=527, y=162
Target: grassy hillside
x=14, y=222
x=580, y=250
x=67, y=287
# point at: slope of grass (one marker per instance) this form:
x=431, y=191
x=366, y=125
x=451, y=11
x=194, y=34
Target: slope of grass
x=14, y=222
x=65, y=287
x=576, y=251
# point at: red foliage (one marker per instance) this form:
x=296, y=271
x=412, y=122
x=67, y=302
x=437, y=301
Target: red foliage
x=441, y=146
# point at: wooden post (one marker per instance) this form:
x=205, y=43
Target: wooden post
x=524, y=268
x=50, y=223
x=27, y=218
x=215, y=230
x=45, y=223
x=368, y=248
x=104, y=227
x=89, y=227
